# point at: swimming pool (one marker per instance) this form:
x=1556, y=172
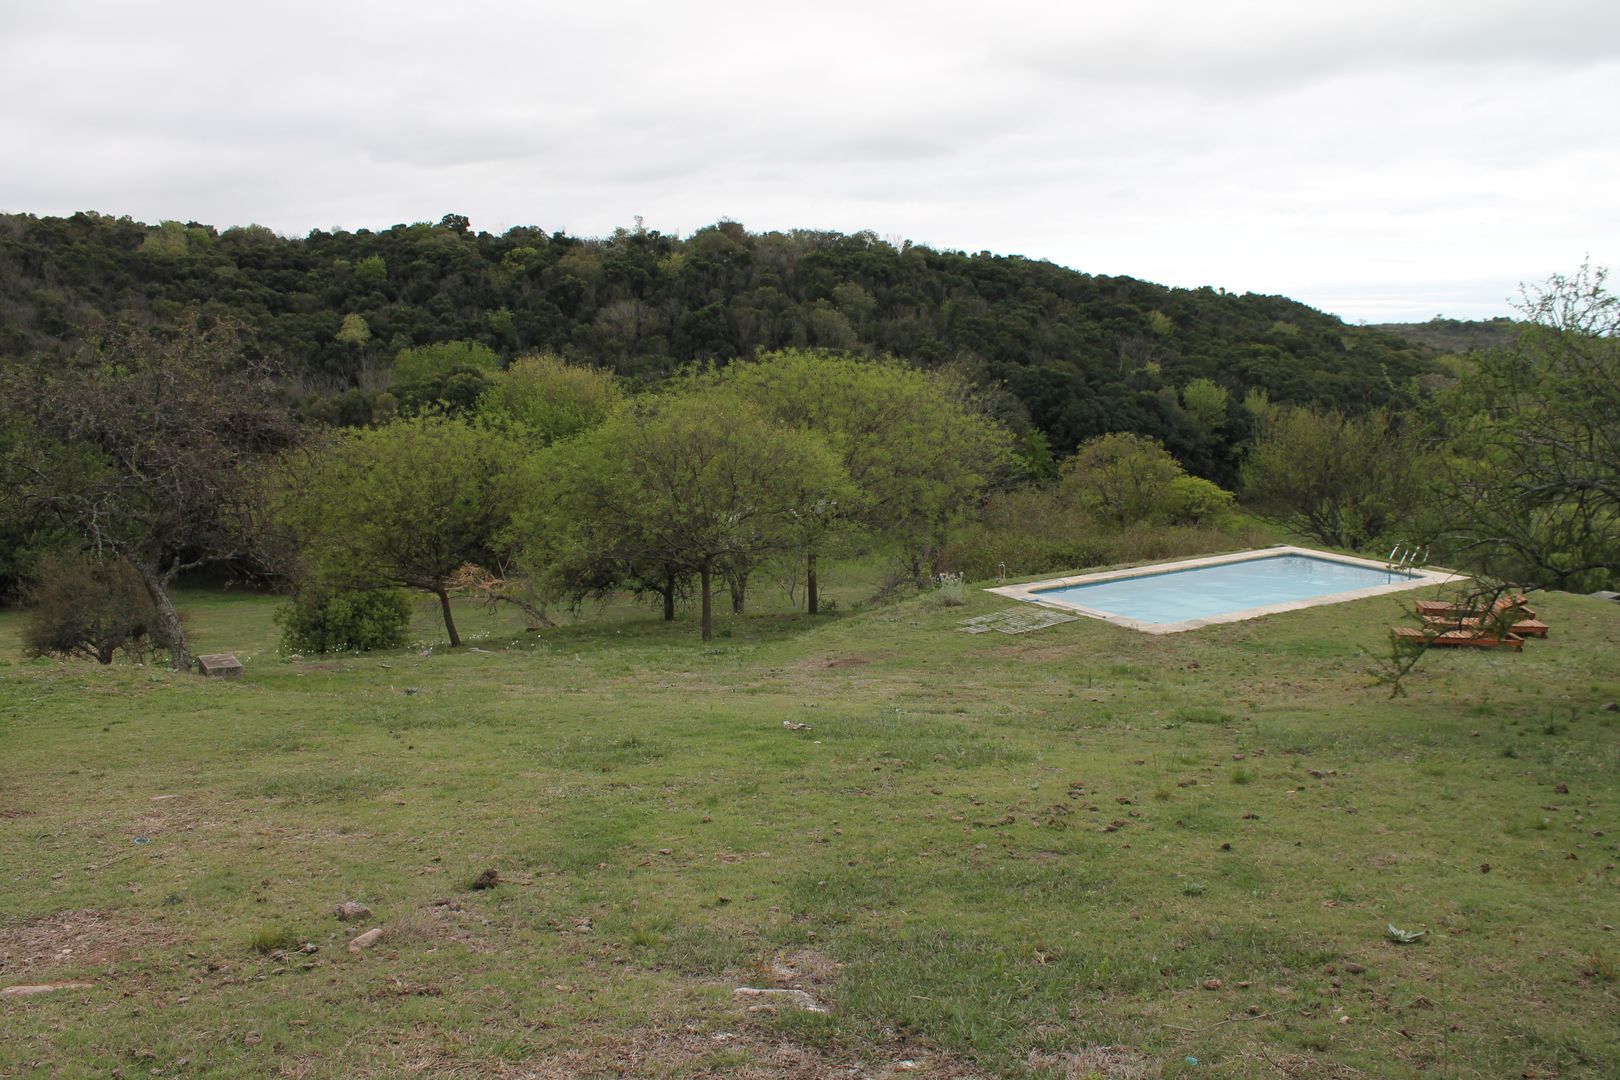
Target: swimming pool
x=1171, y=597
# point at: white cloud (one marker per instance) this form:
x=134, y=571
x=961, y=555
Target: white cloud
x=1379, y=159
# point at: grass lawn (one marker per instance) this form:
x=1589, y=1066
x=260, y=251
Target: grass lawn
x=1081, y=852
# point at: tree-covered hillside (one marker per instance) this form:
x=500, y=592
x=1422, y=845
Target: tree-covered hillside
x=1077, y=354
x=1456, y=335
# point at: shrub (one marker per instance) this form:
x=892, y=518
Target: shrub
x=949, y=590
x=357, y=620
x=89, y=607
x=1120, y=478
x=1192, y=500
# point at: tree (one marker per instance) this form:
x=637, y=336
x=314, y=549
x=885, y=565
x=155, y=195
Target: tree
x=920, y=452
x=430, y=362
x=142, y=445
x=408, y=504
x=552, y=399
x=687, y=482
x=1347, y=481
x=1529, y=491
x=1121, y=478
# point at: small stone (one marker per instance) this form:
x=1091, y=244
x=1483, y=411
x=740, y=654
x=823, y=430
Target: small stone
x=666, y=851
x=352, y=911
x=1212, y=984
x=1354, y=968
x=366, y=940
x=1344, y=1019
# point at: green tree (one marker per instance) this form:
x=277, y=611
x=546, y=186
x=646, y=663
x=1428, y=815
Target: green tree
x=430, y=362
x=551, y=398
x=408, y=504
x=354, y=330
x=142, y=447
x=1529, y=489
x=1345, y=480
x=1121, y=478
x=917, y=447
x=688, y=481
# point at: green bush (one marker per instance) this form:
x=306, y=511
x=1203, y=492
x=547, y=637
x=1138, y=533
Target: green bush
x=83, y=606
x=357, y=620
x=1192, y=500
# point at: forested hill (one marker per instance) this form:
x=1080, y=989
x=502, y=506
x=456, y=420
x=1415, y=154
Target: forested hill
x=1083, y=354
x=1456, y=335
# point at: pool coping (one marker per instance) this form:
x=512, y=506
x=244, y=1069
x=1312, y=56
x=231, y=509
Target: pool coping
x=1029, y=591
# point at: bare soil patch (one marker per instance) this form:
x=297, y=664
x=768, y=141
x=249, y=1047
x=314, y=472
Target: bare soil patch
x=71, y=939
x=736, y=1055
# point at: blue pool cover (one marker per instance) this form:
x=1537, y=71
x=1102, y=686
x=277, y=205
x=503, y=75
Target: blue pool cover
x=1202, y=592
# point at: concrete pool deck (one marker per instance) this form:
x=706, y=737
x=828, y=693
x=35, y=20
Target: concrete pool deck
x=1030, y=592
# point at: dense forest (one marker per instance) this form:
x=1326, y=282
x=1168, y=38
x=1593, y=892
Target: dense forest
x=1069, y=354
x=1457, y=335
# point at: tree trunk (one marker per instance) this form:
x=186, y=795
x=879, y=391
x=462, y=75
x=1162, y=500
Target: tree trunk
x=449, y=620
x=168, y=619
x=669, y=596
x=810, y=582
x=705, y=574
x=738, y=584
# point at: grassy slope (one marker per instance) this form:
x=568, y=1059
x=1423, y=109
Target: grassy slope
x=943, y=833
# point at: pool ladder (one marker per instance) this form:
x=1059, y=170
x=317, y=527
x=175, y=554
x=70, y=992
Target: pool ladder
x=1403, y=557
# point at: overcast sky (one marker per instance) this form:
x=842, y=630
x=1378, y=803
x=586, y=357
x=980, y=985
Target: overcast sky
x=1376, y=160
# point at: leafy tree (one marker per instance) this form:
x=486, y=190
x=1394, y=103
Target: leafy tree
x=1192, y=500
x=690, y=481
x=142, y=447
x=408, y=505
x=1120, y=478
x=354, y=330
x=551, y=398
x=438, y=361
x=1529, y=492
x=1347, y=481
x=919, y=451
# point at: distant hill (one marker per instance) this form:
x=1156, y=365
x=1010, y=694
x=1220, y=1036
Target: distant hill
x=1455, y=335
x=1074, y=354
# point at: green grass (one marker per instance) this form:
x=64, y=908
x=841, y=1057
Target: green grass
x=995, y=853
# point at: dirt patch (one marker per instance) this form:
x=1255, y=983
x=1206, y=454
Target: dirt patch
x=848, y=661
x=71, y=939
x=1041, y=652
x=1107, y=1062
x=736, y=1055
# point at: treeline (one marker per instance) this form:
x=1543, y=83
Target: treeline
x=1071, y=355
x=1456, y=335
x=148, y=453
